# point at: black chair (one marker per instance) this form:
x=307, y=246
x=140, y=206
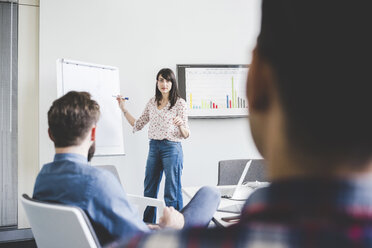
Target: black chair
x=229, y=171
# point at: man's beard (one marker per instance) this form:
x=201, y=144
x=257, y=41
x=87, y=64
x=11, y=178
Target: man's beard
x=91, y=151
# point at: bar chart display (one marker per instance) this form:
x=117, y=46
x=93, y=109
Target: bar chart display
x=214, y=91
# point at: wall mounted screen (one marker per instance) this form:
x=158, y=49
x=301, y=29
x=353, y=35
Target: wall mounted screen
x=214, y=91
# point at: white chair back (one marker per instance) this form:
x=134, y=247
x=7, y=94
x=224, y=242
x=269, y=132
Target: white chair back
x=56, y=225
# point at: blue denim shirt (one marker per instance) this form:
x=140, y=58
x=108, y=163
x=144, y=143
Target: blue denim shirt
x=70, y=180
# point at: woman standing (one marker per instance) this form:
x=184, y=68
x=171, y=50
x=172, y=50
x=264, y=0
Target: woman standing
x=167, y=115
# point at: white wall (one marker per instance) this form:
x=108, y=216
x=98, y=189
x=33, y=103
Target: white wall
x=28, y=100
x=141, y=37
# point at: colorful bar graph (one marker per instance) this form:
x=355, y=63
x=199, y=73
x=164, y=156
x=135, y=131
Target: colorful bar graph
x=236, y=100
x=218, y=94
x=190, y=100
x=232, y=92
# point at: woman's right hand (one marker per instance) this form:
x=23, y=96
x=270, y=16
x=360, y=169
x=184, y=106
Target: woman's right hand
x=121, y=103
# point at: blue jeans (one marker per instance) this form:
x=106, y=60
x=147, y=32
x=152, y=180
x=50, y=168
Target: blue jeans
x=201, y=208
x=167, y=156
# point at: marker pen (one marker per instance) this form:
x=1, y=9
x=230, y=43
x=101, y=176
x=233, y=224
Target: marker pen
x=124, y=98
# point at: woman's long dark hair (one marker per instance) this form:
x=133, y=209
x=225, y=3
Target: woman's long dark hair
x=168, y=75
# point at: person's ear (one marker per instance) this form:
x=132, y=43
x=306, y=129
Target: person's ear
x=259, y=84
x=93, y=134
x=50, y=135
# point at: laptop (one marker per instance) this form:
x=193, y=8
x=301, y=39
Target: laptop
x=241, y=192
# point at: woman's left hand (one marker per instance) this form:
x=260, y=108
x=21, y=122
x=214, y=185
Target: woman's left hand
x=177, y=121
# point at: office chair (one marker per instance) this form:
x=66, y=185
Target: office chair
x=229, y=171
x=110, y=168
x=140, y=202
x=57, y=225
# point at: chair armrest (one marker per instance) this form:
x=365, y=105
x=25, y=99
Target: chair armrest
x=141, y=202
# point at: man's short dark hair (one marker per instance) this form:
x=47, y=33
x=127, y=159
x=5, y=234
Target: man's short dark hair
x=320, y=52
x=70, y=118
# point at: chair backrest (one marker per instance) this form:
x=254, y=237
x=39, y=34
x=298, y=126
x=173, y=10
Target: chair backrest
x=140, y=202
x=229, y=171
x=57, y=225
x=110, y=168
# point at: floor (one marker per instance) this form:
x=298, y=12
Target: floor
x=19, y=238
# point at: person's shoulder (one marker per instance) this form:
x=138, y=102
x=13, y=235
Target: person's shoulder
x=181, y=102
x=100, y=181
x=100, y=174
x=105, y=184
x=85, y=171
x=152, y=239
x=241, y=234
x=152, y=101
x=46, y=168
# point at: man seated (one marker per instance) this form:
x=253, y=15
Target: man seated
x=70, y=180
x=309, y=93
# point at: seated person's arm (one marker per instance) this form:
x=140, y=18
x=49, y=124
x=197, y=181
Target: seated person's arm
x=172, y=219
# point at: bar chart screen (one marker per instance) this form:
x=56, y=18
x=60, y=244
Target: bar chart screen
x=214, y=90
